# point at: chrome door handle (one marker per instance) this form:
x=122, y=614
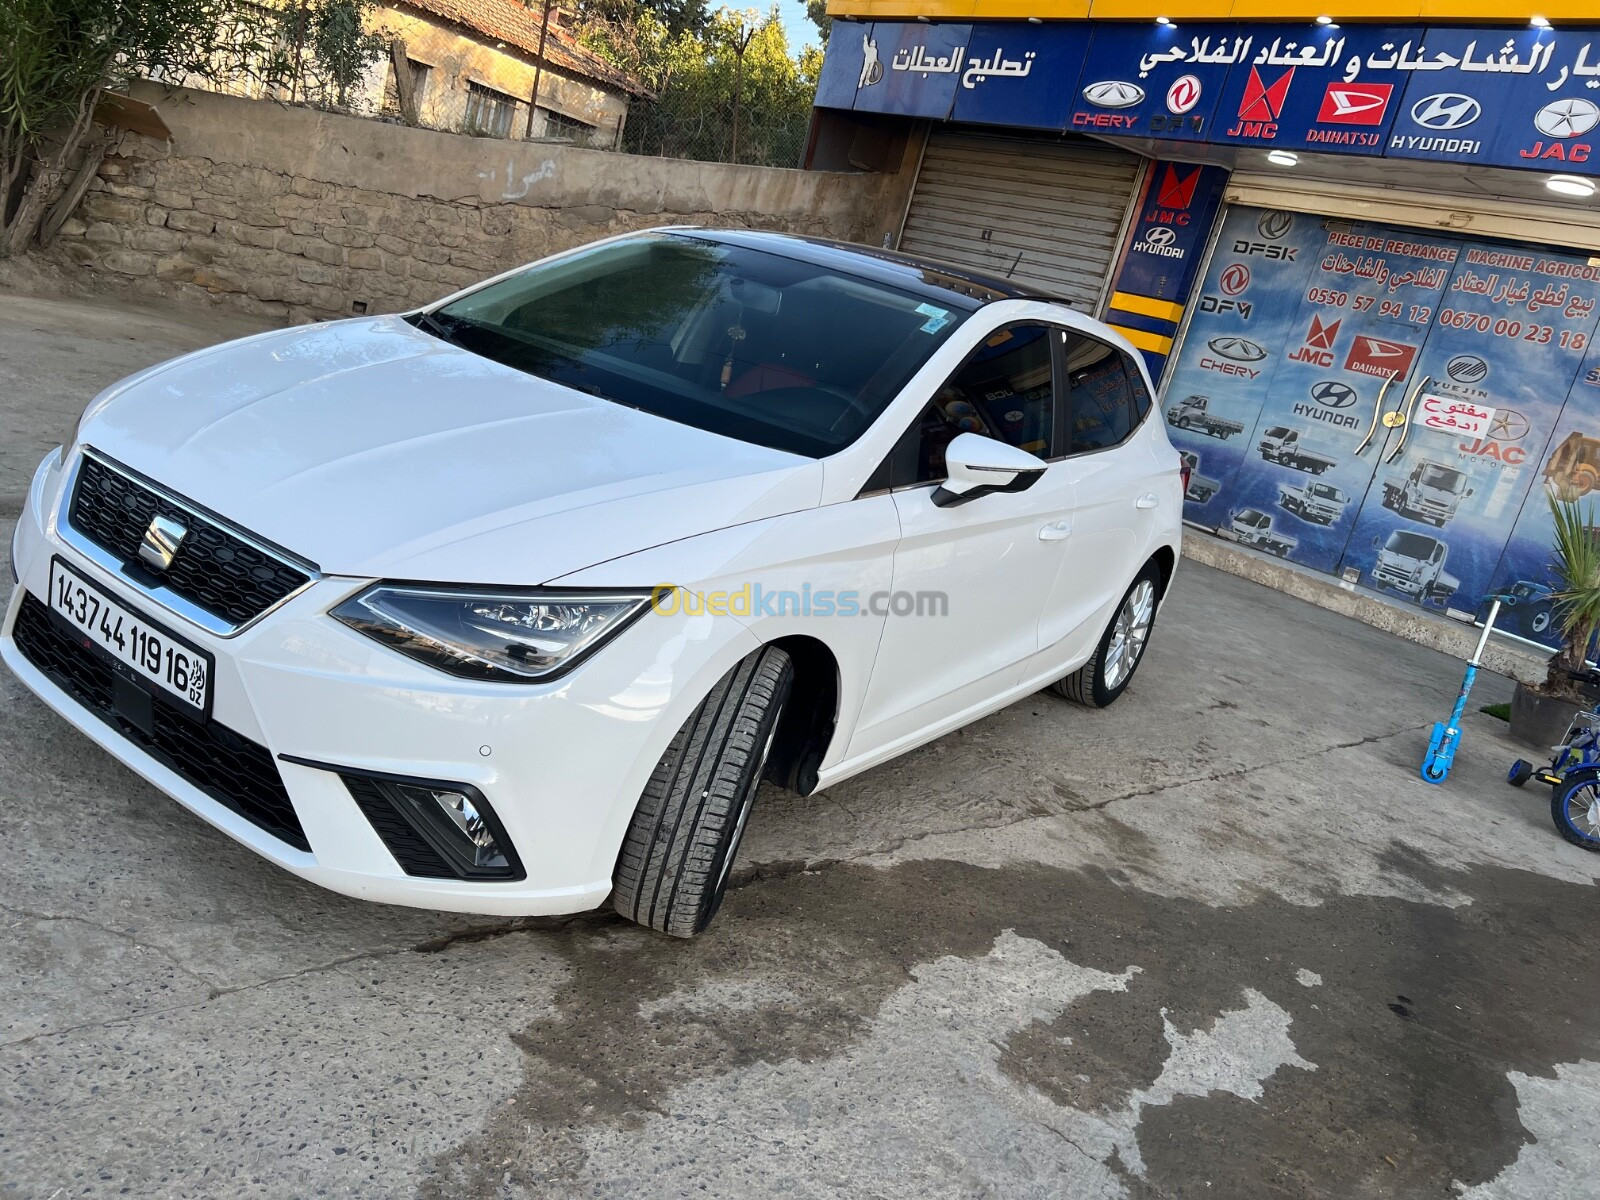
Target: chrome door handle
x=1411, y=407
x=1148, y=500
x=1377, y=411
x=1056, y=532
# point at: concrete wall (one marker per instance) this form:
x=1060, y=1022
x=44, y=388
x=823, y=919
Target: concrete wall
x=295, y=213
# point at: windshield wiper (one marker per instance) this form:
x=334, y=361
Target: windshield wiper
x=426, y=320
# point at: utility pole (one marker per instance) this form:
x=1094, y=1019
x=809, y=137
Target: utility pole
x=538, y=68
x=740, y=45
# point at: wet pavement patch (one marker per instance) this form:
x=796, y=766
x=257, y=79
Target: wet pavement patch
x=1358, y=1047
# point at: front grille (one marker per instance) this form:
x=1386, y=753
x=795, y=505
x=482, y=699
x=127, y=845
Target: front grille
x=234, y=771
x=213, y=569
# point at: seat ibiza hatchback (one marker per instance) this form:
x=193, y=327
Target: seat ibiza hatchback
x=508, y=605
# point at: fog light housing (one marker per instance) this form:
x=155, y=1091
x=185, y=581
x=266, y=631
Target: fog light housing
x=436, y=829
x=461, y=824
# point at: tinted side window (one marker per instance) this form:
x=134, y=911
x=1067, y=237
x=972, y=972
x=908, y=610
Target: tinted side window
x=1005, y=390
x=1142, y=402
x=1101, y=401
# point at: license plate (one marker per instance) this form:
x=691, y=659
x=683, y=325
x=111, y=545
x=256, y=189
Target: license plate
x=148, y=651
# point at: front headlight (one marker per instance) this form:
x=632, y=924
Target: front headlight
x=512, y=636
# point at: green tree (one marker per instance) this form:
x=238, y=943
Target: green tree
x=817, y=10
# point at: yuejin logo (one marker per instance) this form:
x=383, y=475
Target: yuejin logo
x=1262, y=106
x=1183, y=95
x=1318, y=347
x=1380, y=357
x=1467, y=368
x=1355, y=103
x=1445, y=111
x=1235, y=279
x=1332, y=394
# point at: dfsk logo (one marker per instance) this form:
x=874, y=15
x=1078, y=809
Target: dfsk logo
x=1380, y=357
x=1355, y=103
x=1262, y=106
x=1318, y=349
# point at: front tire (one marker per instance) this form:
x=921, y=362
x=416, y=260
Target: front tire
x=673, y=869
x=1110, y=669
x=1575, y=809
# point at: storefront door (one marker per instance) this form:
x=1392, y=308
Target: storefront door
x=1381, y=397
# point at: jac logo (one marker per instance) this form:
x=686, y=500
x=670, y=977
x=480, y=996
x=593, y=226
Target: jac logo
x=1380, y=357
x=1262, y=105
x=1507, y=427
x=1318, y=348
x=1332, y=394
x=1467, y=368
x=1235, y=279
x=1560, y=120
x=1215, y=304
x=1267, y=250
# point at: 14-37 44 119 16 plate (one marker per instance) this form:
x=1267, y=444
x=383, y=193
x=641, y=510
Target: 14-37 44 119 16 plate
x=149, y=651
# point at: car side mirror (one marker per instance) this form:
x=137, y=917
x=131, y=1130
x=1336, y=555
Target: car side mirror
x=1469, y=491
x=976, y=465
x=1375, y=545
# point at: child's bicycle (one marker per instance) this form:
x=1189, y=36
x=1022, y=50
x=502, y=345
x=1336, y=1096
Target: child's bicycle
x=1574, y=776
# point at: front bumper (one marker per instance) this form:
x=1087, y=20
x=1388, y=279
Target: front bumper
x=562, y=764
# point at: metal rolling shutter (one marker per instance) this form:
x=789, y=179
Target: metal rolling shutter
x=980, y=202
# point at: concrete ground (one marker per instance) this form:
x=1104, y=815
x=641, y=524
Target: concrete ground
x=1218, y=940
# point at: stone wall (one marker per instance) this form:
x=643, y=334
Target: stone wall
x=305, y=215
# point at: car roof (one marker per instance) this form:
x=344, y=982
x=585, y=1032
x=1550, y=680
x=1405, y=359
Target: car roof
x=956, y=286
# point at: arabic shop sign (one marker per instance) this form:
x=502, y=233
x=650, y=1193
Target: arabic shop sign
x=1522, y=99
x=1460, y=417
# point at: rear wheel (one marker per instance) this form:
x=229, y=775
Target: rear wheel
x=1106, y=675
x=673, y=869
x=1575, y=809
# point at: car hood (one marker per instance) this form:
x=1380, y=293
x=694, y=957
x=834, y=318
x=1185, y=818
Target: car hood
x=373, y=449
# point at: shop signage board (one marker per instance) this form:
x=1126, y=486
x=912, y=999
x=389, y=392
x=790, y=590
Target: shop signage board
x=1403, y=397
x=1523, y=99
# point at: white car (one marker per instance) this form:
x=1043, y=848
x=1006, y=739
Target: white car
x=507, y=605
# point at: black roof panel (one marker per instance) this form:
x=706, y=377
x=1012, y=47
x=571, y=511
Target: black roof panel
x=957, y=286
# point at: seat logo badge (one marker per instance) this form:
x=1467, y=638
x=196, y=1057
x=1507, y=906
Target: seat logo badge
x=160, y=543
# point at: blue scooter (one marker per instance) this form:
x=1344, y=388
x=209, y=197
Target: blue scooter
x=1447, y=734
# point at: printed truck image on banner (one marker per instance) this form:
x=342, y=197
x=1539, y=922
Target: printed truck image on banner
x=1399, y=394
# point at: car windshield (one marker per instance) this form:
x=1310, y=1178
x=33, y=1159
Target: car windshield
x=1251, y=517
x=1441, y=477
x=1322, y=491
x=1409, y=545
x=752, y=345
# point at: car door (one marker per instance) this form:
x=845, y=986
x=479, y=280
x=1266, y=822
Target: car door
x=1122, y=474
x=969, y=579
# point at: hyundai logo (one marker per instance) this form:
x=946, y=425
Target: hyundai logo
x=1467, y=368
x=1237, y=348
x=1274, y=225
x=1113, y=93
x=1567, y=118
x=1333, y=394
x=1446, y=110
x=1161, y=236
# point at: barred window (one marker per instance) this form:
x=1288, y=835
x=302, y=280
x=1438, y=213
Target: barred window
x=488, y=112
x=559, y=125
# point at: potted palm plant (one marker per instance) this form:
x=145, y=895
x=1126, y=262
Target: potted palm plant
x=1540, y=715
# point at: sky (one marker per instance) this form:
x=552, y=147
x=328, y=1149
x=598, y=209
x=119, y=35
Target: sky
x=797, y=25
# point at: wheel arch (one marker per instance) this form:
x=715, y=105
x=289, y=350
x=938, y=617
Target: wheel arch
x=1166, y=561
x=811, y=719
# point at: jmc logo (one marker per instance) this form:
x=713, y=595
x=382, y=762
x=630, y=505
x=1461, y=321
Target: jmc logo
x=1174, y=197
x=1318, y=348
